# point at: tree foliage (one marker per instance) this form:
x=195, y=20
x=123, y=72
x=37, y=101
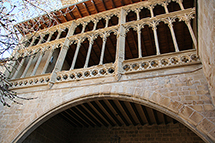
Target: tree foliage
x=12, y=29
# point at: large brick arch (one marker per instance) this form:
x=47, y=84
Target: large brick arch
x=194, y=120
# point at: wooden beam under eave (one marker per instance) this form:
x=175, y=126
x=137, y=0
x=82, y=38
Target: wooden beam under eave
x=154, y=116
x=71, y=14
x=94, y=6
x=146, y=114
x=78, y=117
x=91, y=115
x=123, y=104
x=84, y=115
x=64, y=16
x=103, y=112
x=79, y=13
x=98, y=113
x=73, y=118
x=85, y=7
x=112, y=3
x=108, y=111
x=66, y=12
x=103, y=4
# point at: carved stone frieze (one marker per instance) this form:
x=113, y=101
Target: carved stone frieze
x=166, y=18
x=164, y=61
x=85, y=73
x=30, y=81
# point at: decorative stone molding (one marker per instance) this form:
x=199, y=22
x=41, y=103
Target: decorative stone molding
x=101, y=32
x=86, y=73
x=162, y=61
x=181, y=15
x=38, y=80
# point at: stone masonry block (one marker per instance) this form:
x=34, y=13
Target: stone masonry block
x=186, y=112
x=212, y=134
x=191, y=97
x=146, y=94
x=138, y=92
x=206, y=126
x=155, y=97
x=165, y=101
x=195, y=118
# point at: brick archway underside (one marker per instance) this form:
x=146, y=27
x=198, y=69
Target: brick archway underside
x=116, y=110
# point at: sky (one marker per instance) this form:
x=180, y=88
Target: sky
x=25, y=11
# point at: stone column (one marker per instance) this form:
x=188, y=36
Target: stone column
x=151, y=10
x=107, y=20
x=48, y=59
x=139, y=33
x=180, y=3
x=95, y=21
x=104, y=39
x=32, y=42
x=41, y=39
x=58, y=35
x=50, y=36
x=191, y=32
x=139, y=41
x=88, y=52
x=62, y=55
x=164, y=4
x=169, y=21
x=19, y=67
x=75, y=55
x=27, y=67
x=84, y=26
x=154, y=24
x=38, y=63
x=186, y=18
x=120, y=47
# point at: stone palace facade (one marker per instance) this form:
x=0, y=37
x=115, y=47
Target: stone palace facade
x=117, y=71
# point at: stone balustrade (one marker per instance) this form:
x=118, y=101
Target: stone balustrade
x=168, y=60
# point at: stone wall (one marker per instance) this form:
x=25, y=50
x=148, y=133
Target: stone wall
x=181, y=92
x=206, y=41
x=136, y=134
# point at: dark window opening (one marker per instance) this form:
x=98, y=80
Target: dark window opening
x=165, y=39
x=182, y=35
x=78, y=29
x=110, y=49
x=64, y=33
x=131, y=16
x=53, y=60
x=28, y=42
x=36, y=41
x=131, y=45
x=144, y=13
x=95, y=52
x=89, y=26
x=158, y=9
x=173, y=6
x=45, y=38
x=147, y=41
x=69, y=57
x=113, y=21
x=101, y=24
x=54, y=36
x=80, y=61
